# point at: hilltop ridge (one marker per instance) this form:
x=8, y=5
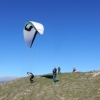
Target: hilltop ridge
x=70, y=86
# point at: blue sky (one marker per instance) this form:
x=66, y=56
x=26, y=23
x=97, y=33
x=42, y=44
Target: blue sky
x=71, y=36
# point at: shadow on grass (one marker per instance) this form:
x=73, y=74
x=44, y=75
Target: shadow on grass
x=57, y=80
x=47, y=76
x=32, y=81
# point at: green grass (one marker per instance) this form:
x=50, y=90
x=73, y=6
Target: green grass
x=70, y=86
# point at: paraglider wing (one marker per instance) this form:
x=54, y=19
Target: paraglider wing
x=30, y=31
x=39, y=27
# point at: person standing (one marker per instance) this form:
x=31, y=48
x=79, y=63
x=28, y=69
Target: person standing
x=59, y=70
x=54, y=74
x=74, y=69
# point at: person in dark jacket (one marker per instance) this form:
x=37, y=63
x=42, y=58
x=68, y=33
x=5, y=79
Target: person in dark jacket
x=74, y=69
x=59, y=72
x=54, y=74
x=31, y=76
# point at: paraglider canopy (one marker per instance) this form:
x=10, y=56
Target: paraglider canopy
x=30, y=31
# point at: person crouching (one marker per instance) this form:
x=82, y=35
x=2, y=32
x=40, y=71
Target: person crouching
x=31, y=76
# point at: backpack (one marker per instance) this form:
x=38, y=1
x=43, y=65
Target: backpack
x=31, y=75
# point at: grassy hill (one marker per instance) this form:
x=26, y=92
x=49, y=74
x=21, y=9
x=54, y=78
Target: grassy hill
x=70, y=86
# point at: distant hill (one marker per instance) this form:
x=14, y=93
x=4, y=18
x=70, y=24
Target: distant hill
x=5, y=79
x=70, y=86
x=2, y=81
